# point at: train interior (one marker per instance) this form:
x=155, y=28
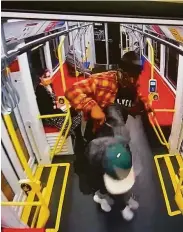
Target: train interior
x=40, y=187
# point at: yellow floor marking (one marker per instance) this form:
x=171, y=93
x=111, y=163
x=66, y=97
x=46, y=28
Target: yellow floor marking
x=163, y=186
x=172, y=176
x=49, y=188
x=62, y=195
x=50, y=184
x=171, y=172
x=179, y=160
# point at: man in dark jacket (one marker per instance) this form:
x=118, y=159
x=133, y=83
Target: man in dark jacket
x=93, y=95
x=112, y=169
x=102, y=89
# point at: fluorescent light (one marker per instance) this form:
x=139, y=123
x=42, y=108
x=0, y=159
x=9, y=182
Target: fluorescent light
x=14, y=20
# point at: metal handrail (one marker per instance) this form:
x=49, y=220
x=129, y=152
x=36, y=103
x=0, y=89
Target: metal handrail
x=61, y=63
x=158, y=130
x=18, y=148
x=67, y=115
x=152, y=58
x=56, y=150
x=35, y=185
x=40, y=204
x=165, y=110
x=179, y=191
x=162, y=140
x=156, y=126
x=14, y=53
x=156, y=38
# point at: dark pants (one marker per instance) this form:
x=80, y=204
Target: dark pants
x=88, y=177
x=81, y=164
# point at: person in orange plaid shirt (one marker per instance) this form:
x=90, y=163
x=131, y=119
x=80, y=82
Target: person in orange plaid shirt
x=94, y=94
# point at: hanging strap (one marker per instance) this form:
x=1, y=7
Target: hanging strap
x=10, y=96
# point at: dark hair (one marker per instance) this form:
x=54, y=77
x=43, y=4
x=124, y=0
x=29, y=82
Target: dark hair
x=131, y=64
x=42, y=72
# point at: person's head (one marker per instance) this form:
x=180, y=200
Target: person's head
x=130, y=68
x=45, y=77
x=119, y=175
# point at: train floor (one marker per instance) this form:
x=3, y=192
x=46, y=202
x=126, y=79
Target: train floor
x=81, y=214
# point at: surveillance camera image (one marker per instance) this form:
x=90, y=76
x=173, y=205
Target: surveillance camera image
x=92, y=121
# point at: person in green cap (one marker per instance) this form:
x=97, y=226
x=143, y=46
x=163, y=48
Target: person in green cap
x=114, y=175
x=112, y=168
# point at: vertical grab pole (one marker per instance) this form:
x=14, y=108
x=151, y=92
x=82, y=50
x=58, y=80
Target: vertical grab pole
x=106, y=44
x=81, y=47
x=27, y=169
x=85, y=45
x=73, y=40
x=163, y=142
x=17, y=145
x=84, y=58
x=151, y=62
x=121, y=37
x=61, y=64
x=68, y=115
x=152, y=58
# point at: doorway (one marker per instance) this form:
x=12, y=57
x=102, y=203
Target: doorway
x=114, y=43
x=100, y=47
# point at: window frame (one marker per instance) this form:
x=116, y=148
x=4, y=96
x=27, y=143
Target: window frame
x=166, y=70
x=155, y=45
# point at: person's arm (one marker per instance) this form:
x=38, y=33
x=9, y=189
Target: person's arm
x=146, y=103
x=45, y=103
x=79, y=95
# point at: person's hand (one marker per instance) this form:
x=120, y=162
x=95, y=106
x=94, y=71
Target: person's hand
x=149, y=108
x=97, y=114
x=98, y=117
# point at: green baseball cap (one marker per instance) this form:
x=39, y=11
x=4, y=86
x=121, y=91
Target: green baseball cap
x=119, y=174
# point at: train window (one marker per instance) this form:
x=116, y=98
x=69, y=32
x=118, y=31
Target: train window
x=128, y=40
x=37, y=63
x=157, y=48
x=66, y=44
x=54, y=53
x=42, y=57
x=57, y=41
x=145, y=47
x=171, y=65
x=125, y=40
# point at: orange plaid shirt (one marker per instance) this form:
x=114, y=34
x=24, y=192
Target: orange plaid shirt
x=100, y=88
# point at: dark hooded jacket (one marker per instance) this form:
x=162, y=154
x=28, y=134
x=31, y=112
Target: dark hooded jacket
x=113, y=131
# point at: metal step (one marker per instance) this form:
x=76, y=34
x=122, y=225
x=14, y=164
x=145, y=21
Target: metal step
x=67, y=148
